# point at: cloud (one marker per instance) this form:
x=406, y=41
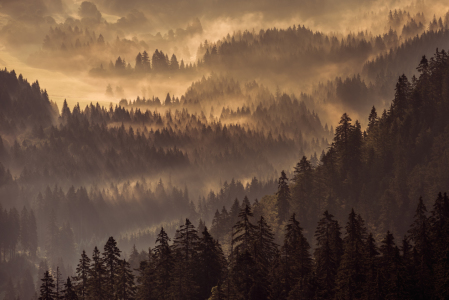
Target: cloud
x=89, y=10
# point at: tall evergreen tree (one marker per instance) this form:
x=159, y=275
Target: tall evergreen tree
x=283, y=198
x=146, y=278
x=47, y=287
x=420, y=236
x=164, y=266
x=126, y=289
x=388, y=269
x=82, y=276
x=243, y=231
x=370, y=290
x=69, y=291
x=439, y=229
x=111, y=260
x=210, y=268
x=328, y=255
x=264, y=252
x=351, y=273
x=185, y=249
x=301, y=191
x=97, y=283
x=296, y=259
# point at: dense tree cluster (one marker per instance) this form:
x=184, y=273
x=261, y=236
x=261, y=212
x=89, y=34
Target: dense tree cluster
x=23, y=105
x=345, y=264
x=299, y=47
x=119, y=142
x=159, y=63
x=399, y=157
x=18, y=231
x=64, y=38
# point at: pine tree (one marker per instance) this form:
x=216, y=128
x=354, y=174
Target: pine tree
x=265, y=248
x=283, y=198
x=302, y=191
x=174, y=65
x=58, y=284
x=342, y=143
x=264, y=252
x=439, y=229
x=111, y=261
x=145, y=279
x=234, y=212
x=327, y=255
x=97, y=282
x=164, y=266
x=372, y=120
x=139, y=64
x=371, y=266
x=146, y=61
x=295, y=254
x=388, y=270
x=351, y=273
x=185, y=250
x=243, y=263
x=82, y=276
x=126, y=289
x=47, y=287
x=243, y=231
x=32, y=234
x=209, y=265
x=243, y=273
x=420, y=236
x=69, y=291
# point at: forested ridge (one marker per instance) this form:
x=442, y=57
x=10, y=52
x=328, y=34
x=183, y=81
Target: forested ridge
x=345, y=264
x=240, y=150
x=272, y=248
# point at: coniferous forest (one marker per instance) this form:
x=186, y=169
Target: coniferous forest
x=198, y=150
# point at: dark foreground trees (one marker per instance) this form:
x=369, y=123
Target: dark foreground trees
x=344, y=265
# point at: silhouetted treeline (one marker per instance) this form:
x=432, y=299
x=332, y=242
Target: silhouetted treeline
x=23, y=105
x=112, y=144
x=347, y=263
x=159, y=63
x=398, y=158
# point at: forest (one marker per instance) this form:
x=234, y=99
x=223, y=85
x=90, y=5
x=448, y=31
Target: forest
x=200, y=150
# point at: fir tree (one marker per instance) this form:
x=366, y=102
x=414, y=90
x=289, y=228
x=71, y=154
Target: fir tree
x=97, y=282
x=296, y=256
x=47, y=287
x=145, y=279
x=111, y=261
x=371, y=267
x=351, y=272
x=126, y=289
x=69, y=291
x=327, y=255
x=420, y=236
x=283, y=198
x=302, y=190
x=185, y=249
x=164, y=266
x=209, y=265
x=243, y=231
x=82, y=275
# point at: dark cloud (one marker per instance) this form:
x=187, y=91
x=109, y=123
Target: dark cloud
x=89, y=10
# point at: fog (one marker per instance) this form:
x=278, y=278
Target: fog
x=125, y=116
